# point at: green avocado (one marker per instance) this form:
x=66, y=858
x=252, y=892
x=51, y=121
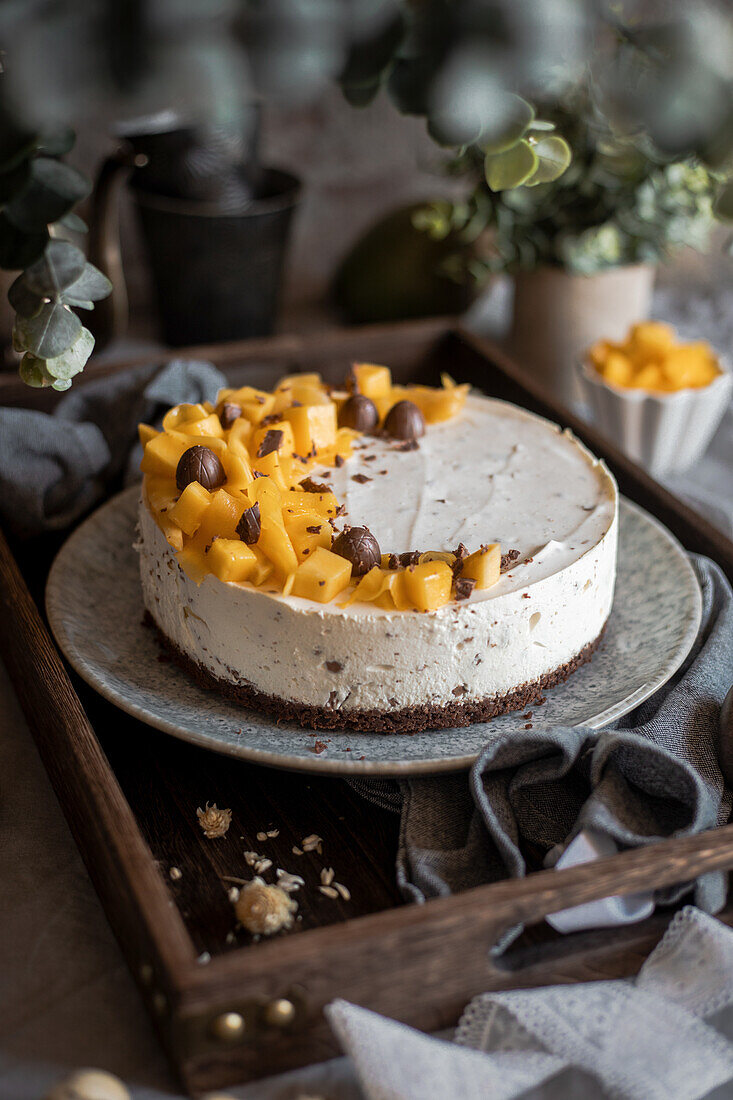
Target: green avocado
x=394, y=272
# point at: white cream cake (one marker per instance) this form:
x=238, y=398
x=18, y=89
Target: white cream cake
x=492, y=581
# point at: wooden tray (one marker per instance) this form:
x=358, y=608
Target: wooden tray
x=230, y=1011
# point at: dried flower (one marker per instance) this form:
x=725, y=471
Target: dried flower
x=214, y=821
x=264, y=910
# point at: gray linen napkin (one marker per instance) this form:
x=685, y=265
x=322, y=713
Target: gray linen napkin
x=666, y=1034
x=53, y=468
x=654, y=775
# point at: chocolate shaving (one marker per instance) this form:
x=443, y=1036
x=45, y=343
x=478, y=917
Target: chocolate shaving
x=315, y=529
x=229, y=413
x=361, y=478
x=250, y=526
x=508, y=559
x=312, y=486
x=409, y=445
x=393, y=561
x=464, y=586
x=370, y=458
x=271, y=442
x=334, y=666
x=339, y=460
x=272, y=418
x=258, y=473
x=411, y=558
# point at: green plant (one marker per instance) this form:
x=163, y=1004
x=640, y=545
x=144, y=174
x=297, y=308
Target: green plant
x=621, y=201
x=38, y=192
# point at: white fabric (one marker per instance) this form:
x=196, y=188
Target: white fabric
x=647, y=1039
x=607, y=912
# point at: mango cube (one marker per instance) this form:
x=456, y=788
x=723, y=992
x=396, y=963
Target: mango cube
x=145, y=433
x=238, y=471
x=255, y=404
x=193, y=562
x=221, y=517
x=650, y=340
x=483, y=566
x=314, y=427
x=262, y=569
x=307, y=532
x=173, y=534
x=617, y=369
x=231, y=560
x=266, y=493
x=161, y=493
x=371, y=380
x=297, y=503
x=690, y=365
x=179, y=415
x=321, y=576
x=437, y=405
x=649, y=377
x=239, y=436
x=188, y=511
x=275, y=544
x=428, y=586
x=162, y=454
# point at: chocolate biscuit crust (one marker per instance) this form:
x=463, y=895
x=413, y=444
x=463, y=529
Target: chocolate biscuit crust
x=407, y=720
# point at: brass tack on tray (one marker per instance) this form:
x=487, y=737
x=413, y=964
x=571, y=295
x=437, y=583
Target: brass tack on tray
x=228, y=1028
x=279, y=1013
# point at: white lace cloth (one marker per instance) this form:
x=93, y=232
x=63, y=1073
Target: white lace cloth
x=651, y=1038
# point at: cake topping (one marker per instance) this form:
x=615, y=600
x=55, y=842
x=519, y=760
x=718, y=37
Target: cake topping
x=404, y=421
x=508, y=559
x=361, y=478
x=202, y=465
x=271, y=442
x=250, y=526
x=311, y=486
x=229, y=413
x=359, y=546
x=464, y=586
x=358, y=412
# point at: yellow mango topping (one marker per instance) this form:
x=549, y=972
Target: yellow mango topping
x=428, y=586
x=371, y=380
x=321, y=576
x=483, y=566
x=273, y=448
x=189, y=509
x=231, y=560
x=651, y=359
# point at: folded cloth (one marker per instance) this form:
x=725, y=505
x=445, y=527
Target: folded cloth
x=664, y=1034
x=53, y=468
x=654, y=775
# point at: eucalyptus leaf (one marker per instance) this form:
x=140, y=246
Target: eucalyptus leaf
x=24, y=301
x=54, y=329
x=519, y=115
x=541, y=124
x=553, y=157
x=91, y=285
x=57, y=143
x=512, y=168
x=74, y=222
x=76, y=303
x=51, y=190
x=72, y=361
x=19, y=249
x=32, y=373
x=60, y=265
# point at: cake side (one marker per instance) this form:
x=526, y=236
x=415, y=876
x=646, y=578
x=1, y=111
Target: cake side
x=318, y=656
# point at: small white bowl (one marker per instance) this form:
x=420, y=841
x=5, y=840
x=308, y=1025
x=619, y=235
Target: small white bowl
x=664, y=432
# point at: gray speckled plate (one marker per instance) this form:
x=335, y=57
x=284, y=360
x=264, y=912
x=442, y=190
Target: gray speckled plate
x=95, y=609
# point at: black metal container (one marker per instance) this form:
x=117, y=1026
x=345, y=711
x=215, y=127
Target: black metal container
x=217, y=275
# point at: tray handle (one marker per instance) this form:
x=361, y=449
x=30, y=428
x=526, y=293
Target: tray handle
x=661, y=864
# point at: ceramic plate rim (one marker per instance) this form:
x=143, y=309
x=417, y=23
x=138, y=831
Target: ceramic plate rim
x=341, y=767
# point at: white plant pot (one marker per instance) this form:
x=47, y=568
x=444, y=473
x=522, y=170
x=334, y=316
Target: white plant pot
x=557, y=316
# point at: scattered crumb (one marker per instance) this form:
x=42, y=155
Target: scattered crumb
x=175, y=873
x=327, y=876
x=213, y=821
x=312, y=843
x=233, y=895
x=297, y=851
x=264, y=910
x=288, y=882
x=329, y=891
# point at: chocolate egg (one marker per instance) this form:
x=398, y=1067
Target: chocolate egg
x=202, y=465
x=359, y=546
x=404, y=421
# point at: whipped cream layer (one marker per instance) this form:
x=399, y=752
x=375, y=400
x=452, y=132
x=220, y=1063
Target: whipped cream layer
x=494, y=473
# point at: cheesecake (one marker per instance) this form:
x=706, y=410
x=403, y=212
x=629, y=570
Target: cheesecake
x=375, y=557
